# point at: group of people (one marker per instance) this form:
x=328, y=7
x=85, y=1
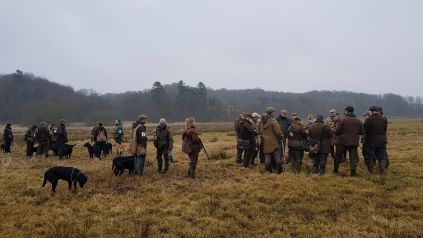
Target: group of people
x=267, y=137
x=45, y=135
x=163, y=142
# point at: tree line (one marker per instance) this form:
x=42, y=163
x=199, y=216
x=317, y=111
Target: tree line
x=26, y=98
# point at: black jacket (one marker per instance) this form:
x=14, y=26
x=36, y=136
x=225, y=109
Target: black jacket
x=8, y=135
x=43, y=135
x=62, y=134
x=284, y=123
x=375, y=128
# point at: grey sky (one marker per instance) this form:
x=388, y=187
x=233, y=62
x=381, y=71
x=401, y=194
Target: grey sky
x=372, y=46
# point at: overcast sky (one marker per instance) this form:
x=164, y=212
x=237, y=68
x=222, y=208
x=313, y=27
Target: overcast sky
x=372, y=46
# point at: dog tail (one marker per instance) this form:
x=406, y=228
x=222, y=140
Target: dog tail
x=44, y=183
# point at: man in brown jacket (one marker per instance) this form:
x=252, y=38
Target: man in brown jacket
x=272, y=137
x=374, y=143
x=322, y=134
x=138, y=145
x=348, y=133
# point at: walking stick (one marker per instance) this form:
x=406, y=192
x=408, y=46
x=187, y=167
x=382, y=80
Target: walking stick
x=204, y=148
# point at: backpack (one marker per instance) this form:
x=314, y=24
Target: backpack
x=101, y=137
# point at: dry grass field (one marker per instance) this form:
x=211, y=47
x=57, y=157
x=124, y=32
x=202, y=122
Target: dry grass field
x=226, y=200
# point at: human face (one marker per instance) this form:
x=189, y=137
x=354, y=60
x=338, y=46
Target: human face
x=284, y=114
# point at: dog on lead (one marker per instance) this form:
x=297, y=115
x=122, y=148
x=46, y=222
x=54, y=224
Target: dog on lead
x=69, y=174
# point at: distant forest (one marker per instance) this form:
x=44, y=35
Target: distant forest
x=27, y=99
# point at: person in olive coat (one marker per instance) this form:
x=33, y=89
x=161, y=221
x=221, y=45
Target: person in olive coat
x=323, y=134
x=296, y=135
x=272, y=138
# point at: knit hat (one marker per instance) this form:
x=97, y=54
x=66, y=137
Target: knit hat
x=162, y=121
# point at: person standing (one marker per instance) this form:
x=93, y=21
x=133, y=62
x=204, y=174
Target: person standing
x=43, y=138
x=138, y=146
x=30, y=140
x=118, y=136
x=163, y=141
x=272, y=138
x=8, y=138
x=100, y=139
x=332, y=122
x=375, y=128
x=239, y=151
x=296, y=135
x=320, y=133
x=348, y=133
x=284, y=124
x=247, y=138
x=191, y=145
x=257, y=148
x=62, y=138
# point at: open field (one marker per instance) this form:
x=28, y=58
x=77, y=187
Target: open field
x=226, y=200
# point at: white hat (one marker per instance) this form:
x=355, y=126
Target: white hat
x=162, y=121
x=255, y=114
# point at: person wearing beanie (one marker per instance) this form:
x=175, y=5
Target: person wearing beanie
x=30, y=140
x=163, y=141
x=138, y=146
x=348, y=133
x=320, y=133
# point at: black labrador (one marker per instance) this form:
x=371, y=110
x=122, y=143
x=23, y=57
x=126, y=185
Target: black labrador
x=91, y=149
x=69, y=174
x=3, y=147
x=108, y=149
x=67, y=150
x=121, y=163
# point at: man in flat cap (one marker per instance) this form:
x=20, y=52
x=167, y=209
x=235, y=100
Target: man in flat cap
x=348, y=133
x=374, y=144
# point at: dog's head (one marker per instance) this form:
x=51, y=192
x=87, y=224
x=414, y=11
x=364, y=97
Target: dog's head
x=82, y=179
x=87, y=145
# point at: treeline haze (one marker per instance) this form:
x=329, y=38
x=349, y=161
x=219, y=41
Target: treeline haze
x=29, y=99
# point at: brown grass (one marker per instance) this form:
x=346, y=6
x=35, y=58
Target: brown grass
x=225, y=201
